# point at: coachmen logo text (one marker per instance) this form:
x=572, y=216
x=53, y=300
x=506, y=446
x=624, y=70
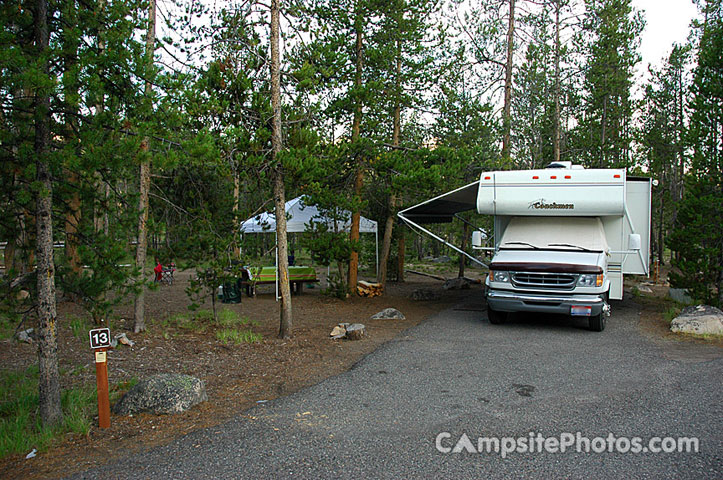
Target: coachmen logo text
x=542, y=205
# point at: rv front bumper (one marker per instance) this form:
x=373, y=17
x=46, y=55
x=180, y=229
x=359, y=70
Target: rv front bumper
x=506, y=301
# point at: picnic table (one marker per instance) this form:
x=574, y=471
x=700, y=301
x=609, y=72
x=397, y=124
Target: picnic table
x=298, y=276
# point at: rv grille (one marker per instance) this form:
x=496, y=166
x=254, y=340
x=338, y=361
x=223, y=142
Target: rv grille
x=560, y=281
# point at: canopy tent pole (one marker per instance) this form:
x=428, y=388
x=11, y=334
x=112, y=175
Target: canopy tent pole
x=276, y=237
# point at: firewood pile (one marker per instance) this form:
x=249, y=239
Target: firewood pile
x=366, y=289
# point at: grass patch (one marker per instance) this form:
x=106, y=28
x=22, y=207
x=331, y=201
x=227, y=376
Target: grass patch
x=196, y=322
x=79, y=326
x=237, y=336
x=229, y=318
x=20, y=426
x=7, y=327
x=670, y=314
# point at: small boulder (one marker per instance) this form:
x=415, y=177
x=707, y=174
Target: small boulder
x=163, y=393
x=389, y=314
x=338, y=332
x=701, y=319
x=422, y=294
x=355, y=331
x=26, y=336
x=123, y=339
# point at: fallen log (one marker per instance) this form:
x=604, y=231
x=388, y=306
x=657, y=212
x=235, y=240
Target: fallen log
x=436, y=277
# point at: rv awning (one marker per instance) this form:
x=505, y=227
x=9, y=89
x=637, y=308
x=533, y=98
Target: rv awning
x=442, y=209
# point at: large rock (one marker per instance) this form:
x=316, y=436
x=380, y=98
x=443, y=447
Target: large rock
x=389, y=314
x=163, y=393
x=701, y=319
x=425, y=294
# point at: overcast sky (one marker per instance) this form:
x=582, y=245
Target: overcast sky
x=667, y=23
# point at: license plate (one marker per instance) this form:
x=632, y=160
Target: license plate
x=580, y=310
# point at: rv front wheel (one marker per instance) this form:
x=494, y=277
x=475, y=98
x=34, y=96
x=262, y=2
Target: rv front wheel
x=597, y=322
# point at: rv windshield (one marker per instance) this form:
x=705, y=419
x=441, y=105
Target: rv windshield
x=583, y=234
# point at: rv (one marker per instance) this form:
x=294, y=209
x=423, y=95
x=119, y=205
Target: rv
x=563, y=237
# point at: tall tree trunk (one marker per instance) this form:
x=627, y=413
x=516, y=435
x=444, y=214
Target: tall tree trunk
x=462, y=258
x=144, y=181
x=401, y=254
x=70, y=89
x=285, y=323
x=386, y=242
x=355, y=133
x=396, y=134
x=556, y=126
x=507, y=110
x=49, y=378
x=234, y=209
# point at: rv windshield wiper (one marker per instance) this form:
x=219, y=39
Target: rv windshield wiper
x=521, y=243
x=568, y=245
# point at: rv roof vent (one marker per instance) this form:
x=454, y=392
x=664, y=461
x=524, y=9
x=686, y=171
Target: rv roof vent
x=566, y=165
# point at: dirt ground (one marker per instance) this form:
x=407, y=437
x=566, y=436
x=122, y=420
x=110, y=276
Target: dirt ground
x=236, y=376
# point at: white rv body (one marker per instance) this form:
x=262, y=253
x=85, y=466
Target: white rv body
x=563, y=237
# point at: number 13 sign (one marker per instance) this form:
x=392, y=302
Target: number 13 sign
x=100, y=338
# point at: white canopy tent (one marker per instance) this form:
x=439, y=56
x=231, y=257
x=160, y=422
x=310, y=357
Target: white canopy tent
x=300, y=214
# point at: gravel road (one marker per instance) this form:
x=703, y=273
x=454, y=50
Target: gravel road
x=459, y=374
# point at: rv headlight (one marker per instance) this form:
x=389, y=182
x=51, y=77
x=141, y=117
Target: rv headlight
x=499, y=276
x=590, y=280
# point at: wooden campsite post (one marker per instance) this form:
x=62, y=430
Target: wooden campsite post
x=100, y=343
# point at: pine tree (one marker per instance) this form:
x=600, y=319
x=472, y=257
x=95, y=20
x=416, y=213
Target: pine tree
x=605, y=130
x=697, y=237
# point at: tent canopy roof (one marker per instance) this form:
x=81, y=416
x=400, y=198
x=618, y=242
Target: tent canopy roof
x=299, y=215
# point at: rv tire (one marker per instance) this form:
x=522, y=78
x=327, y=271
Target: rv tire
x=596, y=323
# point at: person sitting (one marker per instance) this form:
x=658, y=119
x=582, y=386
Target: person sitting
x=158, y=270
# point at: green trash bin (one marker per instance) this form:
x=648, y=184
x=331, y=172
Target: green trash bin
x=231, y=292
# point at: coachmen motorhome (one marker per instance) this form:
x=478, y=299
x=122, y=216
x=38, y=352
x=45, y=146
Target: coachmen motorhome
x=563, y=237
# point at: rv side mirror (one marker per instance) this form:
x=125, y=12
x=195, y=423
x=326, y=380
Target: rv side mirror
x=477, y=238
x=634, y=242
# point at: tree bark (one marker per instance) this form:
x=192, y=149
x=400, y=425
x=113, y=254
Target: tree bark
x=507, y=109
x=144, y=182
x=234, y=209
x=462, y=258
x=355, y=133
x=556, y=126
x=285, y=321
x=401, y=254
x=49, y=378
x=386, y=243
